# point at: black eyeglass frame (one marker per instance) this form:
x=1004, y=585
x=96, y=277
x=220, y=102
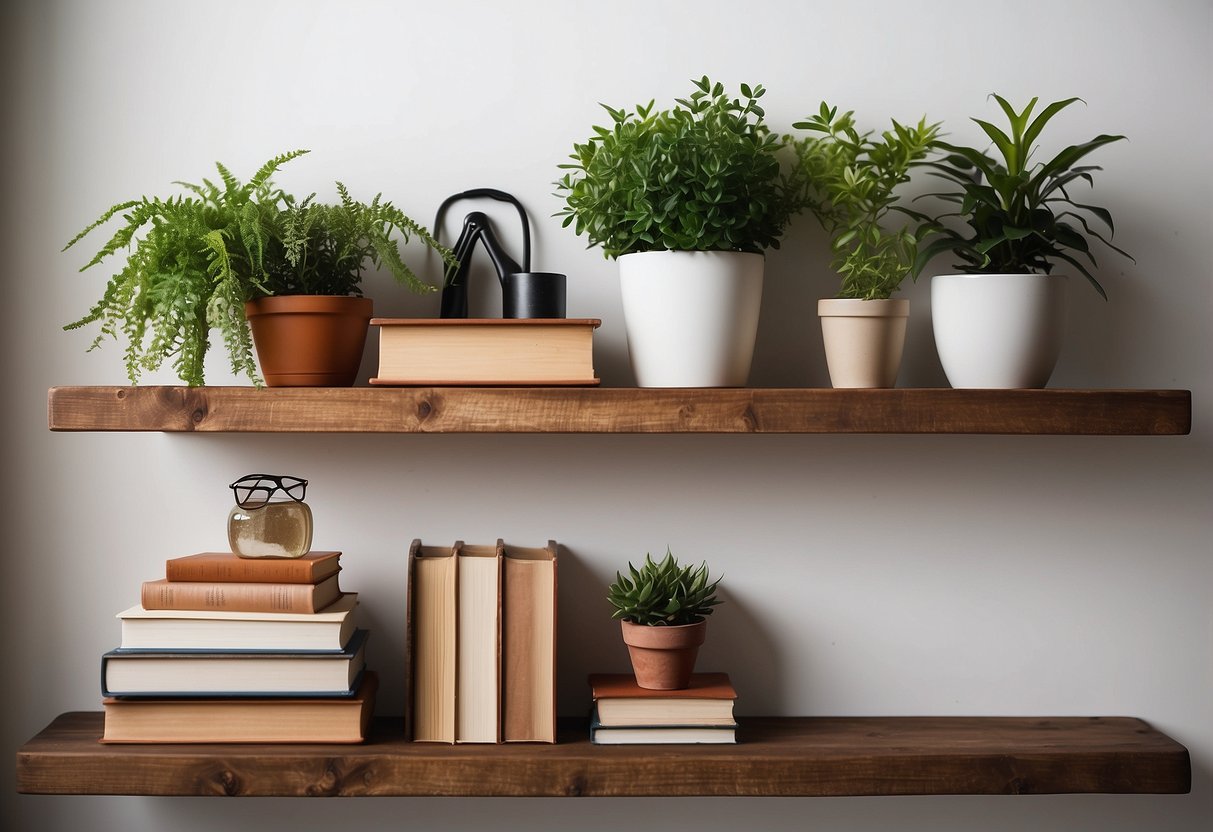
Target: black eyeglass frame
x=259, y=488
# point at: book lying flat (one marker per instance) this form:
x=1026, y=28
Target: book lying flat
x=163, y=673
x=489, y=351
x=239, y=597
x=227, y=567
x=331, y=720
x=328, y=630
x=661, y=734
x=708, y=700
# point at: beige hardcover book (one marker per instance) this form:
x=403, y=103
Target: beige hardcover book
x=478, y=644
x=504, y=351
x=333, y=720
x=529, y=644
x=431, y=639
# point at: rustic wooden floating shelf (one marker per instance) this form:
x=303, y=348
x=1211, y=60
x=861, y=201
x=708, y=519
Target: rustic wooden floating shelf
x=618, y=410
x=789, y=756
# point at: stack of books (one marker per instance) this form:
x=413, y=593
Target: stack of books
x=626, y=714
x=481, y=640
x=229, y=649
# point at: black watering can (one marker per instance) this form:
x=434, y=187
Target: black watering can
x=524, y=293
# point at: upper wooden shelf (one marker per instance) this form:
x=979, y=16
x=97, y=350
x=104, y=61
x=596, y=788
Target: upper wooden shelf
x=618, y=410
x=814, y=756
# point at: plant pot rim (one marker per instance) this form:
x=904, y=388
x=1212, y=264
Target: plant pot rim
x=1000, y=276
x=663, y=636
x=859, y=308
x=702, y=252
x=308, y=303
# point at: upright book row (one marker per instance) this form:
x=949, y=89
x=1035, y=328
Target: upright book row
x=481, y=641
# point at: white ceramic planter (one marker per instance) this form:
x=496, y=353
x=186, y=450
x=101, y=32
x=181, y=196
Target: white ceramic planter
x=863, y=340
x=691, y=316
x=998, y=330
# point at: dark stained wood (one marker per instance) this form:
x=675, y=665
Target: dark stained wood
x=775, y=757
x=618, y=410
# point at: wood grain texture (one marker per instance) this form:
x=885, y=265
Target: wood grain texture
x=619, y=410
x=775, y=757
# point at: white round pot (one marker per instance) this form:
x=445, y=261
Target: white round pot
x=998, y=330
x=863, y=340
x=691, y=316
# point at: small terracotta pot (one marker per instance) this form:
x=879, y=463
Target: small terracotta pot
x=309, y=340
x=663, y=657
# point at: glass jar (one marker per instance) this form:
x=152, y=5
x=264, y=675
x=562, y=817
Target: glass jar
x=273, y=530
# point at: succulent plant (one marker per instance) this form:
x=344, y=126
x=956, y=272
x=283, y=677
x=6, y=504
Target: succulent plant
x=664, y=593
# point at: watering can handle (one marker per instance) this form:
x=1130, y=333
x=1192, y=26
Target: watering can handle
x=501, y=196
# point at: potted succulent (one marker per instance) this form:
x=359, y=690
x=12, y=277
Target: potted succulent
x=196, y=260
x=849, y=181
x=1000, y=323
x=662, y=608
x=687, y=200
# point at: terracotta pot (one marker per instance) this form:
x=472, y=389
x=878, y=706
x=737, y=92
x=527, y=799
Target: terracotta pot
x=663, y=657
x=309, y=340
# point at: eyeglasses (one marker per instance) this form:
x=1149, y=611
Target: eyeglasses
x=255, y=490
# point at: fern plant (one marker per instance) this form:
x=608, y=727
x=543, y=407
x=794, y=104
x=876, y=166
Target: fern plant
x=703, y=176
x=663, y=593
x=198, y=259
x=326, y=248
x=849, y=181
x=195, y=260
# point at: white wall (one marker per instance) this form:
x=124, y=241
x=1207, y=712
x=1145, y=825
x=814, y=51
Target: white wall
x=865, y=575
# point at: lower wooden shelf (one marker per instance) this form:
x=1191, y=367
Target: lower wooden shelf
x=796, y=756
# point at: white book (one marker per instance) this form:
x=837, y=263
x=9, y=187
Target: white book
x=478, y=644
x=327, y=630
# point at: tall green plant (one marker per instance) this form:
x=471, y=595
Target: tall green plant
x=850, y=179
x=1017, y=213
x=198, y=259
x=702, y=176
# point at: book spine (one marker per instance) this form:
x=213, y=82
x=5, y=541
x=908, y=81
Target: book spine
x=232, y=597
x=243, y=571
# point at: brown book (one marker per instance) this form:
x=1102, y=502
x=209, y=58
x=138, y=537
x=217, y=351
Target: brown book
x=239, y=597
x=528, y=633
x=707, y=701
x=502, y=351
x=229, y=568
x=478, y=643
x=328, y=720
x=430, y=638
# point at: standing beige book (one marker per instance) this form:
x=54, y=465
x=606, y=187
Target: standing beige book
x=502, y=351
x=478, y=643
x=529, y=644
x=430, y=638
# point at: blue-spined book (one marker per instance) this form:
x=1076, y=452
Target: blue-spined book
x=165, y=673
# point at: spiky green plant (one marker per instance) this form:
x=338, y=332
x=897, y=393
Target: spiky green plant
x=1016, y=214
x=663, y=593
x=702, y=176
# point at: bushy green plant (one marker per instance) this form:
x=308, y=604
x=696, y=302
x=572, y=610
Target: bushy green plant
x=1017, y=212
x=326, y=248
x=192, y=269
x=663, y=593
x=703, y=176
x=849, y=181
x=195, y=260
